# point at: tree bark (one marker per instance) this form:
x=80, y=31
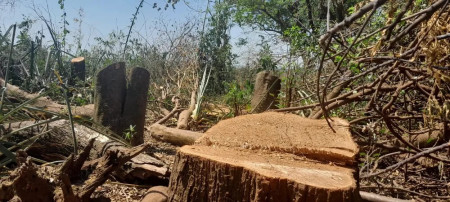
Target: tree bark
x=78, y=71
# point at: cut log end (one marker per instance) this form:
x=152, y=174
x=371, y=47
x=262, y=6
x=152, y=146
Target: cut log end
x=77, y=60
x=288, y=133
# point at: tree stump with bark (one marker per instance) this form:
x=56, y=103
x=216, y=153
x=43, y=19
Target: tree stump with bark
x=136, y=103
x=110, y=92
x=267, y=88
x=118, y=104
x=268, y=157
x=78, y=70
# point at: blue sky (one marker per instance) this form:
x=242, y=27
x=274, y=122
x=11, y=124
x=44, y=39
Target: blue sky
x=101, y=17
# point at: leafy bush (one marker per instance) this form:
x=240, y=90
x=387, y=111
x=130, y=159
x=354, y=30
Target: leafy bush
x=238, y=97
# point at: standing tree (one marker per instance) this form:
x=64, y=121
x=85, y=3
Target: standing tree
x=215, y=48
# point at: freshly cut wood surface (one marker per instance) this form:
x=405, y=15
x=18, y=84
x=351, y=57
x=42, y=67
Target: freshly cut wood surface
x=285, y=133
x=268, y=157
x=216, y=173
x=78, y=59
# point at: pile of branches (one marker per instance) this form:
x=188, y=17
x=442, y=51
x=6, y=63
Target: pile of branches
x=393, y=84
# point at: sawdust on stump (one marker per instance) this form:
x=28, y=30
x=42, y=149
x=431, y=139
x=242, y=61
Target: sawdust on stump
x=268, y=157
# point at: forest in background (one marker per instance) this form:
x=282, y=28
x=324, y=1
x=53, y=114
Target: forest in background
x=382, y=65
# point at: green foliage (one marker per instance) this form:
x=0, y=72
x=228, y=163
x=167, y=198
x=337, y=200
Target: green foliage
x=238, y=97
x=215, y=49
x=130, y=132
x=265, y=59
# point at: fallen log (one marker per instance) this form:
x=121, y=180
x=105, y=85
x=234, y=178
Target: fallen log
x=46, y=103
x=174, y=136
x=57, y=145
x=268, y=157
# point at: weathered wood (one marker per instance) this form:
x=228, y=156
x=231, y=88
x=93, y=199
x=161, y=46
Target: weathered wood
x=367, y=196
x=46, y=103
x=265, y=94
x=78, y=71
x=156, y=194
x=268, y=157
x=185, y=115
x=136, y=103
x=110, y=91
x=58, y=145
x=174, y=136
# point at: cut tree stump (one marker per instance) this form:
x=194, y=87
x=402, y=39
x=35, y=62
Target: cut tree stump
x=120, y=104
x=268, y=157
x=267, y=87
x=78, y=70
x=136, y=103
x=110, y=92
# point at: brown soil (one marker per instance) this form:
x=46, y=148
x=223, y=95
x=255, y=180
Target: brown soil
x=285, y=133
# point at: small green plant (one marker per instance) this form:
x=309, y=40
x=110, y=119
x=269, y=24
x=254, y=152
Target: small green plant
x=130, y=132
x=238, y=98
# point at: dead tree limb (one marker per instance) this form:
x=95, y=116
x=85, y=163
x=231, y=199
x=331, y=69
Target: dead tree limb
x=412, y=158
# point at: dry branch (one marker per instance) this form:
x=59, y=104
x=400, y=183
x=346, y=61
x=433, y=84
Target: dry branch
x=349, y=20
x=412, y=158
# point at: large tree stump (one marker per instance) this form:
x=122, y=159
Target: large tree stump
x=136, y=103
x=268, y=157
x=78, y=70
x=117, y=105
x=267, y=88
x=110, y=92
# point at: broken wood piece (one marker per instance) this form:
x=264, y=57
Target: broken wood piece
x=268, y=157
x=110, y=162
x=174, y=136
x=367, y=196
x=185, y=115
x=57, y=145
x=156, y=194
